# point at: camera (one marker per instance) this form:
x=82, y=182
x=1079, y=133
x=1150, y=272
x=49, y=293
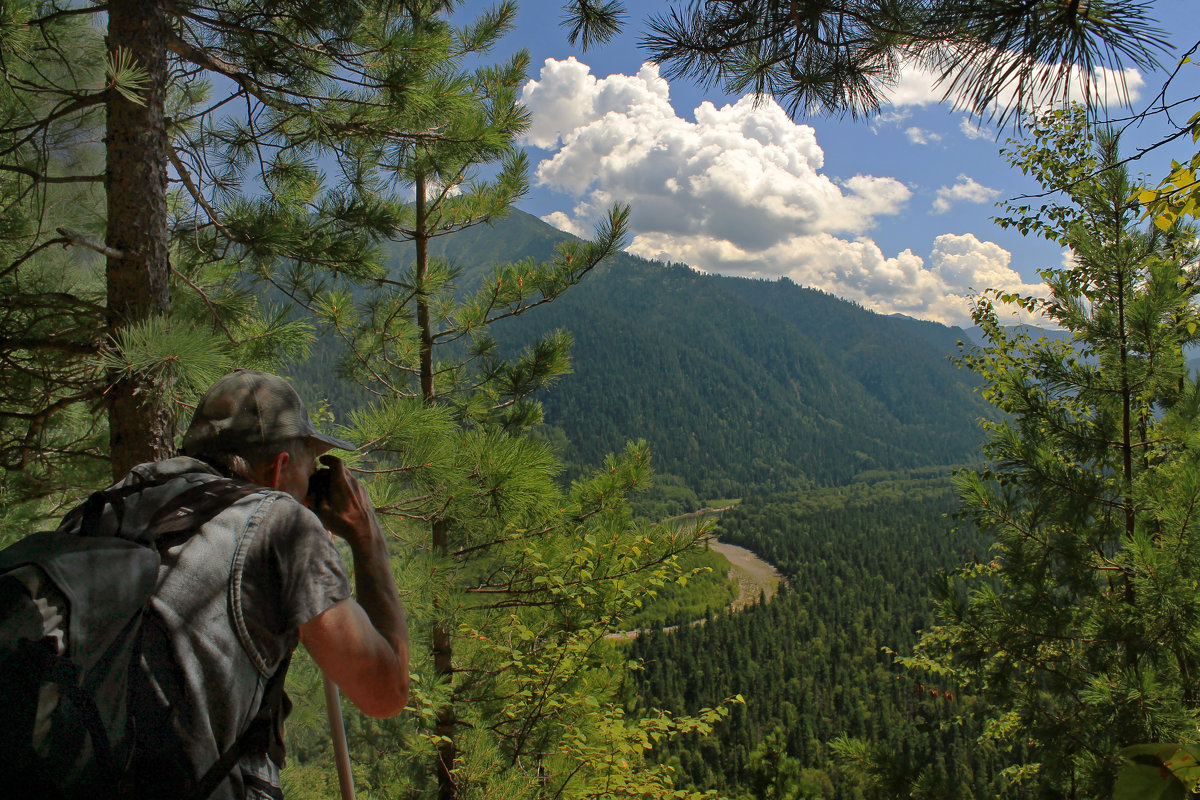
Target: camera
x=319, y=487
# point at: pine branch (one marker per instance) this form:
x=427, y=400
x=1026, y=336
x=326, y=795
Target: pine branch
x=68, y=12
x=43, y=343
x=216, y=316
x=251, y=86
x=80, y=103
x=83, y=241
x=39, y=177
x=28, y=254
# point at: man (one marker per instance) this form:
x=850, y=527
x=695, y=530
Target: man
x=235, y=596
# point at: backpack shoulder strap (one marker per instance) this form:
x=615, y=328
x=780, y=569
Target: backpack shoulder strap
x=183, y=512
x=193, y=507
x=91, y=510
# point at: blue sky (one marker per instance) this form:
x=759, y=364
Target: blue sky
x=892, y=213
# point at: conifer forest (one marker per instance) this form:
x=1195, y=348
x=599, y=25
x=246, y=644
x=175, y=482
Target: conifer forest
x=986, y=540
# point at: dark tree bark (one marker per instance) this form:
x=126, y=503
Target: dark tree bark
x=135, y=183
x=443, y=664
x=443, y=643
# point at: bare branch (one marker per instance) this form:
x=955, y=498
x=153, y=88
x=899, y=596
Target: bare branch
x=83, y=241
x=40, y=178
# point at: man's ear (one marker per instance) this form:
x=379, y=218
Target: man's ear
x=273, y=469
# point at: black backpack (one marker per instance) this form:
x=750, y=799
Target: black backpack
x=108, y=719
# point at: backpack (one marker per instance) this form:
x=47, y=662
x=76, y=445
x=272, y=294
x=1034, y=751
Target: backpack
x=79, y=711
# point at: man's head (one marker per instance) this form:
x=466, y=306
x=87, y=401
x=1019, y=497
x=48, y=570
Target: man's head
x=255, y=425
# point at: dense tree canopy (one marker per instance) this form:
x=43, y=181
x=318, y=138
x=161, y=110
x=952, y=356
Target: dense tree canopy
x=815, y=664
x=1079, y=632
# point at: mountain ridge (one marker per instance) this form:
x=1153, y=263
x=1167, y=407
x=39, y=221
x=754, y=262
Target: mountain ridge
x=735, y=382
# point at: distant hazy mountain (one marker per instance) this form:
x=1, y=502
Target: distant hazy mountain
x=976, y=333
x=736, y=382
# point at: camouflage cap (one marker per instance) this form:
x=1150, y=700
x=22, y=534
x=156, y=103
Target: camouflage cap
x=247, y=408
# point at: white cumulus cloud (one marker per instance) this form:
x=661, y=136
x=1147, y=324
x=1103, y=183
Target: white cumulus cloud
x=919, y=85
x=966, y=266
x=741, y=191
x=742, y=172
x=965, y=190
x=938, y=288
x=921, y=136
x=973, y=130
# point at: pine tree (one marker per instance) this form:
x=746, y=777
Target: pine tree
x=237, y=143
x=1078, y=633
x=999, y=57
x=515, y=583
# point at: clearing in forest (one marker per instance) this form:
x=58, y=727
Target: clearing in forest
x=755, y=577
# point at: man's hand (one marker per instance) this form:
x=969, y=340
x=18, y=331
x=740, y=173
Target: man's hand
x=342, y=503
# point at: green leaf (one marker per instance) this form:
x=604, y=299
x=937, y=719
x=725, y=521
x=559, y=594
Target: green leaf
x=1138, y=781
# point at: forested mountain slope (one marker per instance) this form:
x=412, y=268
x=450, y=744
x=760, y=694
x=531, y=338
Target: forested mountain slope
x=814, y=663
x=734, y=382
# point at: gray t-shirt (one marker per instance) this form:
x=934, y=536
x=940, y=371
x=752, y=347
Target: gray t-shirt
x=292, y=574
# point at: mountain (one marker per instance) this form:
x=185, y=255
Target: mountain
x=735, y=382
x=976, y=333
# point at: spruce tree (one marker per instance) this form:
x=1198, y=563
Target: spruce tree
x=1078, y=633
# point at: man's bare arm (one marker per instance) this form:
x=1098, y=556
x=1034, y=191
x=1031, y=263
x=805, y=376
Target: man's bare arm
x=362, y=644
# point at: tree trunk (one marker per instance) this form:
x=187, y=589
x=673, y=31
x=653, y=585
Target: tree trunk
x=442, y=644
x=421, y=241
x=443, y=665
x=138, y=275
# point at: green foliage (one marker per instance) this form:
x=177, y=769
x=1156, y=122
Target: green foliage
x=669, y=496
x=702, y=589
x=774, y=775
x=1078, y=633
x=538, y=578
x=125, y=76
x=589, y=22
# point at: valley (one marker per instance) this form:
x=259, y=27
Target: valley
x=791, y=400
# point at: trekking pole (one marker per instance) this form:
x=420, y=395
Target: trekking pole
x=337, y=727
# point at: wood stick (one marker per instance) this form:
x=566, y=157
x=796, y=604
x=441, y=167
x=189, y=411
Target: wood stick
x=337, y=727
